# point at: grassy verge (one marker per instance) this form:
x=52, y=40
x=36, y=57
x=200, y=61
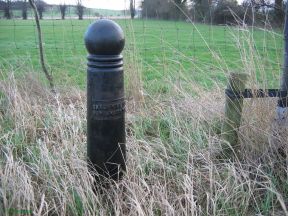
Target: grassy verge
x=174, y=164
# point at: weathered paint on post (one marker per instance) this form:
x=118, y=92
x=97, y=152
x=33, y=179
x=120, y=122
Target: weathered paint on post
x=233, y=113
x=104, y=40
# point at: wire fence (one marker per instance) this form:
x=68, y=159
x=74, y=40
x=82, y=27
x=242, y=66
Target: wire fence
x=162, y=47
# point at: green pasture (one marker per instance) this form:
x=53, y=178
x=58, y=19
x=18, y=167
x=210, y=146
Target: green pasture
x=164, y=51
x=53, y=12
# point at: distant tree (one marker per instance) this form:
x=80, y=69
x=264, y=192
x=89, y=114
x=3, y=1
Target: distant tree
x=24, y=9
x=80, y=9
x=7, y=9
x=132, y=9
x=63, y=8
x=202, y=10
x=164, y=9
x=177, y=8
x=155, y=9
x=41, y=7
x=279, y=13
x=259, y=10
x=227, y=12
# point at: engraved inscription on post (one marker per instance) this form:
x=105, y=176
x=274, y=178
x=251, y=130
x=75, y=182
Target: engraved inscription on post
x=105, y=110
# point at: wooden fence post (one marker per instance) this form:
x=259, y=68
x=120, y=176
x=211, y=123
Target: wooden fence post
x=233, y=112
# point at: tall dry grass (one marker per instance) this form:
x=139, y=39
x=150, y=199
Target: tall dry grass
x=173, y=158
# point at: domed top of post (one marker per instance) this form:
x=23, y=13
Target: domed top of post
x=104, y=37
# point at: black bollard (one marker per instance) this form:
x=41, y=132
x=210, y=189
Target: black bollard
x=104, y=40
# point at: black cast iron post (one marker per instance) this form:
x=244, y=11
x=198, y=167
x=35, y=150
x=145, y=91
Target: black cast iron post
x=104, y=40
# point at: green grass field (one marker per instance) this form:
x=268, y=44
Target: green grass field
x=53, y=12
x=164, y=49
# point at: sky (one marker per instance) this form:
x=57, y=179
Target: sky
x=103, y=4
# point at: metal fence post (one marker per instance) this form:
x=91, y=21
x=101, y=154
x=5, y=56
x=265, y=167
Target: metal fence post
x=104, y=40
x=282, y=108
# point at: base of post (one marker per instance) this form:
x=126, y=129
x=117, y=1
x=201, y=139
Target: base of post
x=282, y=116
